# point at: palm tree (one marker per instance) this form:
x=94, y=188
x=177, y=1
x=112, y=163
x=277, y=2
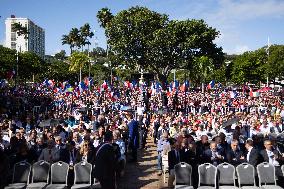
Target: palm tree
x=66, y=40
x=20, y=30
x=74, y=35
x=85, y=34
x=72, y=39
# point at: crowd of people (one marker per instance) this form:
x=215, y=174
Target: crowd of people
x=105, y=126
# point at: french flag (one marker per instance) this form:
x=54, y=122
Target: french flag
x=185, y=86
x=176, y=84
x=127, y=85
x=233, y=94
x=211, y=84
x=104, y=85
x=88, y=81
x=253, y=94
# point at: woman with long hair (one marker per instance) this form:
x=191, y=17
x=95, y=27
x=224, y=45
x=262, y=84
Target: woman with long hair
x=86, y=153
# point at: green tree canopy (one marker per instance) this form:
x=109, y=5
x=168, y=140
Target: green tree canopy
x=8, y=60
x=275, y=65
x=139, y=36
x=60, y=55
x=249, y=67
x=30, y=64
x=77, y=60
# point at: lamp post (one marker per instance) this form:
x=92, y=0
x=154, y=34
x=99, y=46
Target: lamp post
x=110, y=72
x=267, y=51
x=17, y=66
x=227, y=65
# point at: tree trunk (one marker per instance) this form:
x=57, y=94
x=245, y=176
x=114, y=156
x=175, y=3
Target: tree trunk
x=80, y=74
x=202, y=87
x=163, y=79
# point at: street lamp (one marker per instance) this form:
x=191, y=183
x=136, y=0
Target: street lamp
x=18, y=49
x=267, y=51
x=108, y=65
x=227, y=65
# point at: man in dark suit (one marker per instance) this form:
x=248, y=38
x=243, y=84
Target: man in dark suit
x=69, y=155
x=201, y=147
x=190, y=156
x=252, y=155
x=212, y=155
x=104, y=169
x=133, y=136
x=60, y=150
x=156, y=127
x=234, y=155
x=174, y=157
x=222, y=145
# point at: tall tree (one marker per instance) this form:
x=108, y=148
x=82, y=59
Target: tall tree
x=7, y=61
x=20, y=30
x=139, y=37
x=60, y=55
x=78, y=37
x=274, y=67
x=77, y=61
x=249, y=67
x=30, y=65
x=85, y=35
x=66, y=40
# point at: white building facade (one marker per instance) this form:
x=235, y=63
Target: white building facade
x=35, y=41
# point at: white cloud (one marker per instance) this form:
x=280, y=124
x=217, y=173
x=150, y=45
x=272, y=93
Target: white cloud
x=249, y=9
x=229, y=16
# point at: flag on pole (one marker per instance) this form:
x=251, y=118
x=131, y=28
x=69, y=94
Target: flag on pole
x=104, y=85
x=233, y=94
x=253, y=94
x=211, y=84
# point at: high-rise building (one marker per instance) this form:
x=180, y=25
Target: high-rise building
x=35, y=42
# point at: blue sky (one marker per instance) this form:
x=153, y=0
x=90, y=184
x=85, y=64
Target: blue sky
x=244, y=24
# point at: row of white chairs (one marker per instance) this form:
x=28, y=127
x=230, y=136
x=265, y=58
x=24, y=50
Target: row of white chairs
x=224, y=175
x=42, y=172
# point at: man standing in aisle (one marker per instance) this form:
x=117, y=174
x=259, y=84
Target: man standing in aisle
x=133, y=136
x=104, y=169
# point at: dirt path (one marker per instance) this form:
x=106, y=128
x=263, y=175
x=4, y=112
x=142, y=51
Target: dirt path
x=143, y=174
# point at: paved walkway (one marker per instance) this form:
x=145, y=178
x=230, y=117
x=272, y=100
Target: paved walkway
x=143, y=174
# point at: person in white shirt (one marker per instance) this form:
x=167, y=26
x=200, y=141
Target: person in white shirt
x=265, y=128
x=4, y=144
x=272, y=156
